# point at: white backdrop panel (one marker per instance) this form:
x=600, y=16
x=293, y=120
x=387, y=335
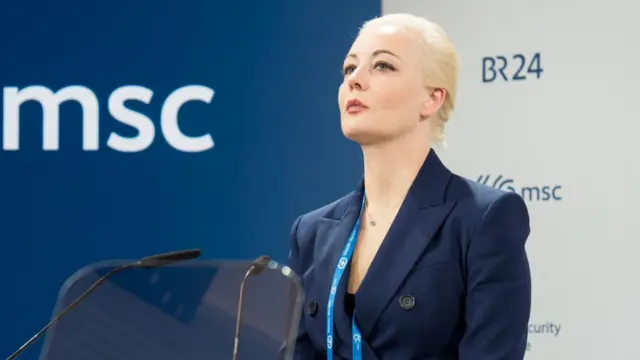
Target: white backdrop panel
x=574, y=129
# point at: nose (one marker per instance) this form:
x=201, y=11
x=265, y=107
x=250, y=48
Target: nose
x=358, y=79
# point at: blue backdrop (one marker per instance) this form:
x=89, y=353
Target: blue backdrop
x=275, y=69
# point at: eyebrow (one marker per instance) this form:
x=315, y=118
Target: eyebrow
x=376, y=53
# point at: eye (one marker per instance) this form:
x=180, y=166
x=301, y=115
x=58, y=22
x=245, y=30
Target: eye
x=383, y=66
x=348, y=69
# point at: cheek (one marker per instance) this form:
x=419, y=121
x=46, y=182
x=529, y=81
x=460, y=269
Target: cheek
x=398, y=100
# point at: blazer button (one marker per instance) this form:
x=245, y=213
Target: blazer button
x=407, y=302
x=312, y=308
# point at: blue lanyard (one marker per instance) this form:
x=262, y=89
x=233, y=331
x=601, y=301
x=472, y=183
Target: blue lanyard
x=347, y=253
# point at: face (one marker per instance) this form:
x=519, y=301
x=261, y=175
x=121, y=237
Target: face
x=383, y=95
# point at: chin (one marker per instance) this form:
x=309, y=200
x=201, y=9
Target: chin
x=361, y=135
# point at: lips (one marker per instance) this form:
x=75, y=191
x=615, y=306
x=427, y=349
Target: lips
x=355, y=106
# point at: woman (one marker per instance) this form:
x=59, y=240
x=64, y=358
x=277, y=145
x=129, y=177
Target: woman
x=416, y=262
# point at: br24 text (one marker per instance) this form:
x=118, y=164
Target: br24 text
x=518, y=67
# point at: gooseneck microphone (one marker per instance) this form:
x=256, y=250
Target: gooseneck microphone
x=148, y=262
x=255, y=268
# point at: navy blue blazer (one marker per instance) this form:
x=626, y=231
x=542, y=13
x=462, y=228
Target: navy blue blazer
x=451, y=279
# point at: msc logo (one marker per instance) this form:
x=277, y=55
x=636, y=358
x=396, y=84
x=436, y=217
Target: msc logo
x=528, y=193
x=50, y=102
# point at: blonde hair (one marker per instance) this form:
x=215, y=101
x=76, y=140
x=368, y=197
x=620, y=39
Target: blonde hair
x=440, y=62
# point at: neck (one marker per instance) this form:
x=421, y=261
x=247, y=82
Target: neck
x=390, y=169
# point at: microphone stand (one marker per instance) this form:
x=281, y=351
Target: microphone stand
x=256, y=268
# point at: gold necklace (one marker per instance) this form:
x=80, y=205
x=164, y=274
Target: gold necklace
x=372, y=221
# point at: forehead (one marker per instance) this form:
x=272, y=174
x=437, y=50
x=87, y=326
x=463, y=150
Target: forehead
x=391, y=37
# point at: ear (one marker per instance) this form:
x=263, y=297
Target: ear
x=433, y=102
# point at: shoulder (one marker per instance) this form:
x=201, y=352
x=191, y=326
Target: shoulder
x=478, y=203
x=492, y=229
x=305, y=227
x=308, y=221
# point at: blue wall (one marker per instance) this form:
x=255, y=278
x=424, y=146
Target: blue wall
x=275, y=69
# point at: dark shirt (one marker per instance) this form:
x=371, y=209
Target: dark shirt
x=350, y=304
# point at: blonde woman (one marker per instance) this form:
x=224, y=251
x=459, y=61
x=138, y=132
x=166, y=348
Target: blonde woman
x=416, y=262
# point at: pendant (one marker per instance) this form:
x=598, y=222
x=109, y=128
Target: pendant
x=372, y=223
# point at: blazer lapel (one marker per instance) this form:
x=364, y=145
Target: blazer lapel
x=334, y=232
x=418, y=220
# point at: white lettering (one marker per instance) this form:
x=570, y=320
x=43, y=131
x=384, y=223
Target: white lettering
x=142, y=123
x=169, y=119
x=50, y=103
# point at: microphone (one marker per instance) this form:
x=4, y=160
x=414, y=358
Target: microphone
x=256, y=268
x=169, y=258
x=148, y=262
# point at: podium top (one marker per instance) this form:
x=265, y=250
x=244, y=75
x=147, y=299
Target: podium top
x=185, y=311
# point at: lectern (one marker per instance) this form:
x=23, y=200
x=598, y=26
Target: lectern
x=186, y=311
